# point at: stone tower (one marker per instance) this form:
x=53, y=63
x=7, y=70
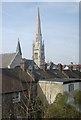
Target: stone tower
x=38, y=45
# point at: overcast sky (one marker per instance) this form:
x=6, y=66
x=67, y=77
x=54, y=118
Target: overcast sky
x=59, y=26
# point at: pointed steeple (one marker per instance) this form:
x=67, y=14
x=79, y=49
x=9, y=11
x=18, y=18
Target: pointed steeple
x=18, y=49
x=38, y=27
x=38, y=46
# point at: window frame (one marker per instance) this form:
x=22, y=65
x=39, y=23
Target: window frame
x=16, y=97
x=71, y=88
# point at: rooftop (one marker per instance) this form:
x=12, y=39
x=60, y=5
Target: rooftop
x=13, y=80
x=5, y=59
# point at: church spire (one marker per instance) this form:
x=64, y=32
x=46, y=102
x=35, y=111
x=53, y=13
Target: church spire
x=38, y=27
x=38, y=45
x=18, y=49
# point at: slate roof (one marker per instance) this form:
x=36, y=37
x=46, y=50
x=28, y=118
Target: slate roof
x=71, y=73
x=58, y=73
x=77, y=72
x=29, y=63
x=5, y=59
x=45, y=74
x=49, y=74
x=13, y=80
x=52, y=73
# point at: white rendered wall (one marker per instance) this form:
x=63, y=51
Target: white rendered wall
x=49, y=90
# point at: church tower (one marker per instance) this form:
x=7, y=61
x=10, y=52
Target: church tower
x=38, y=45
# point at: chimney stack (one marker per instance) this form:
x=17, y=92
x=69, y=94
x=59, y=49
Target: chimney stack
x=60, y=67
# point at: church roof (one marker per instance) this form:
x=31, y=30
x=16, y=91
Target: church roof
x=18, y=49
x=30, y=63
x=5, y=59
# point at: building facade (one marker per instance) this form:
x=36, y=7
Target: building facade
x=48, y=89
x=18, y=93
